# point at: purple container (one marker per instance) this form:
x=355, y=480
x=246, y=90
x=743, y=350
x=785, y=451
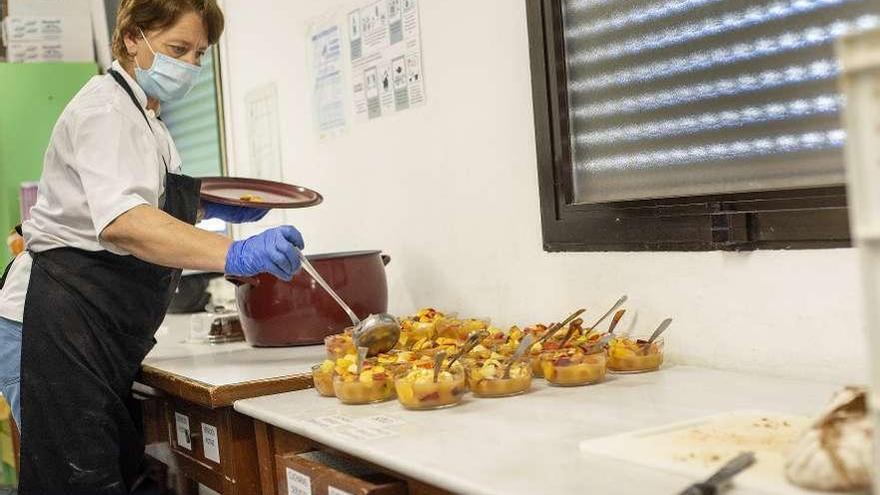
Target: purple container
x=27, y=199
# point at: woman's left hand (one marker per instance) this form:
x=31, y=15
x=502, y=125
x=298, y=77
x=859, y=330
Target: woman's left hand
x=232, y=214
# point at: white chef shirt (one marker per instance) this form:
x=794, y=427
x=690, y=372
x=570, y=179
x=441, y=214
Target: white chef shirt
x=102, y=161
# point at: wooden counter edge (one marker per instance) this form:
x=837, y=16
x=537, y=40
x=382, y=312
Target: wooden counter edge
x=216, y=396
x=272, y=441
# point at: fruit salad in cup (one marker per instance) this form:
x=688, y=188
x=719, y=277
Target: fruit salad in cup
x=486, y=378
x=479, y=352
x=373, y=384
x=431, y=347
x=626, y=355
x=339, y=345
x=494, y=338
x=322, y=376
x=535, y=355
x=460, y=329
x=573, y=366
x=416, y=388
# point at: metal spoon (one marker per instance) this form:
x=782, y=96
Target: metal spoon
x=662, y=328
x=378, y=332
x=646, y=345
x=524, y=345
x=438, y=363
x=471, y=342
x=619, y=302
x=571, y=329
x=556, y=326
x=616, y=320
x=600, y=344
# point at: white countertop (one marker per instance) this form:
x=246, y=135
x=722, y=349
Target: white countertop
x=529, y=444
x=225, y=364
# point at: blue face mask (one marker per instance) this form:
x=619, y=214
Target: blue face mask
x=168, y=79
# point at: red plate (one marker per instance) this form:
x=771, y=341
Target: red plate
x=269, y=194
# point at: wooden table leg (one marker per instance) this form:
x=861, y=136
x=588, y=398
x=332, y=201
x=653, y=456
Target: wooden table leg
x=265, y=457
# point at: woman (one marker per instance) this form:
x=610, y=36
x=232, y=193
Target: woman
x=112, y=227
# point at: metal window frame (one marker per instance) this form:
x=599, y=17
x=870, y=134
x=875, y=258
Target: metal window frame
x=791, y=219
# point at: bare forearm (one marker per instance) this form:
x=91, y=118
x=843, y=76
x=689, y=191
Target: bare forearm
x=155, y=236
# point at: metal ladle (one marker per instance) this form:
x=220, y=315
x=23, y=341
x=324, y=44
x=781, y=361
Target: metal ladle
x=379, y=333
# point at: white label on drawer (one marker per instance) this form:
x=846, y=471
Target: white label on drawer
x=183, y=435
x=210, y=443
x=332, y=490
x=298, y=483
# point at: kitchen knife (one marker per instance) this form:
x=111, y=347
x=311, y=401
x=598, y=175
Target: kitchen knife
x=712, y=485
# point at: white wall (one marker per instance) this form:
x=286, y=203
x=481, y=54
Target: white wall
x=450, y=191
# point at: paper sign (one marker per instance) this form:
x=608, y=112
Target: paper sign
x=184, y=439
x=328, y=86
x=49, y=38
x=210, y=443
x=298, y=483
x=332, y=490
x=386, y=58
x=264, y=145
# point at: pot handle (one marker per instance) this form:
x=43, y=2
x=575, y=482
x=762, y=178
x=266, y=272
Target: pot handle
x=386, y=259
x=239, y=281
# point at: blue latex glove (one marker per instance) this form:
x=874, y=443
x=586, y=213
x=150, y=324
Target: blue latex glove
x=232, y=214
x=275, y=251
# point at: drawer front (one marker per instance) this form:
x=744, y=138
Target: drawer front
x=198, y=433
x=301, y=475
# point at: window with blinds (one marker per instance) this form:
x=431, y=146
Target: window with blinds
x=194, y=123
x=671, y=98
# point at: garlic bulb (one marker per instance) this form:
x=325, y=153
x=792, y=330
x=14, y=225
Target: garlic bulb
x=835, y=453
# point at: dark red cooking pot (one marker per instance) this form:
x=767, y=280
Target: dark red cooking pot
x=278, y=313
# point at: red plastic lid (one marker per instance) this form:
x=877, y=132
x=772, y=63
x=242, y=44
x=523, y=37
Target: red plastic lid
x=257, y=193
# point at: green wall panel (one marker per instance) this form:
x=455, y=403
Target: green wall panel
x=32, y=97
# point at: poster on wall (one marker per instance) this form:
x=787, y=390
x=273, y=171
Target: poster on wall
x=328, y=83
x=385, y=50
x=264, y=146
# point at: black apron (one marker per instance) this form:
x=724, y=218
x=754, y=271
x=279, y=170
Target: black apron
x=89, y=321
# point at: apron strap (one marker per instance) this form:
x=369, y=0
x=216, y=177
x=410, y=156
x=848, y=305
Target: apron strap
x=9, y=266
x=6, y=274
x=122, y=82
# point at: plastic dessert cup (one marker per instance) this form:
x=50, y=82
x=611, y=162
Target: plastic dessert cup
x=485, y=378
x=372, y=385
x=339, y=345
x=416, y=388
x=629, y=356
x=322, y=375
x=571, y=367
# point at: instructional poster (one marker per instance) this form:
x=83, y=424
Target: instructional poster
x=386, y=58
x=264, y=145
x=328, y=86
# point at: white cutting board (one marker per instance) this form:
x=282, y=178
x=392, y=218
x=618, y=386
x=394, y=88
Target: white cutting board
x=697, y=448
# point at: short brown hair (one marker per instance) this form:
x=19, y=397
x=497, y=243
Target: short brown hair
x=152, y=15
